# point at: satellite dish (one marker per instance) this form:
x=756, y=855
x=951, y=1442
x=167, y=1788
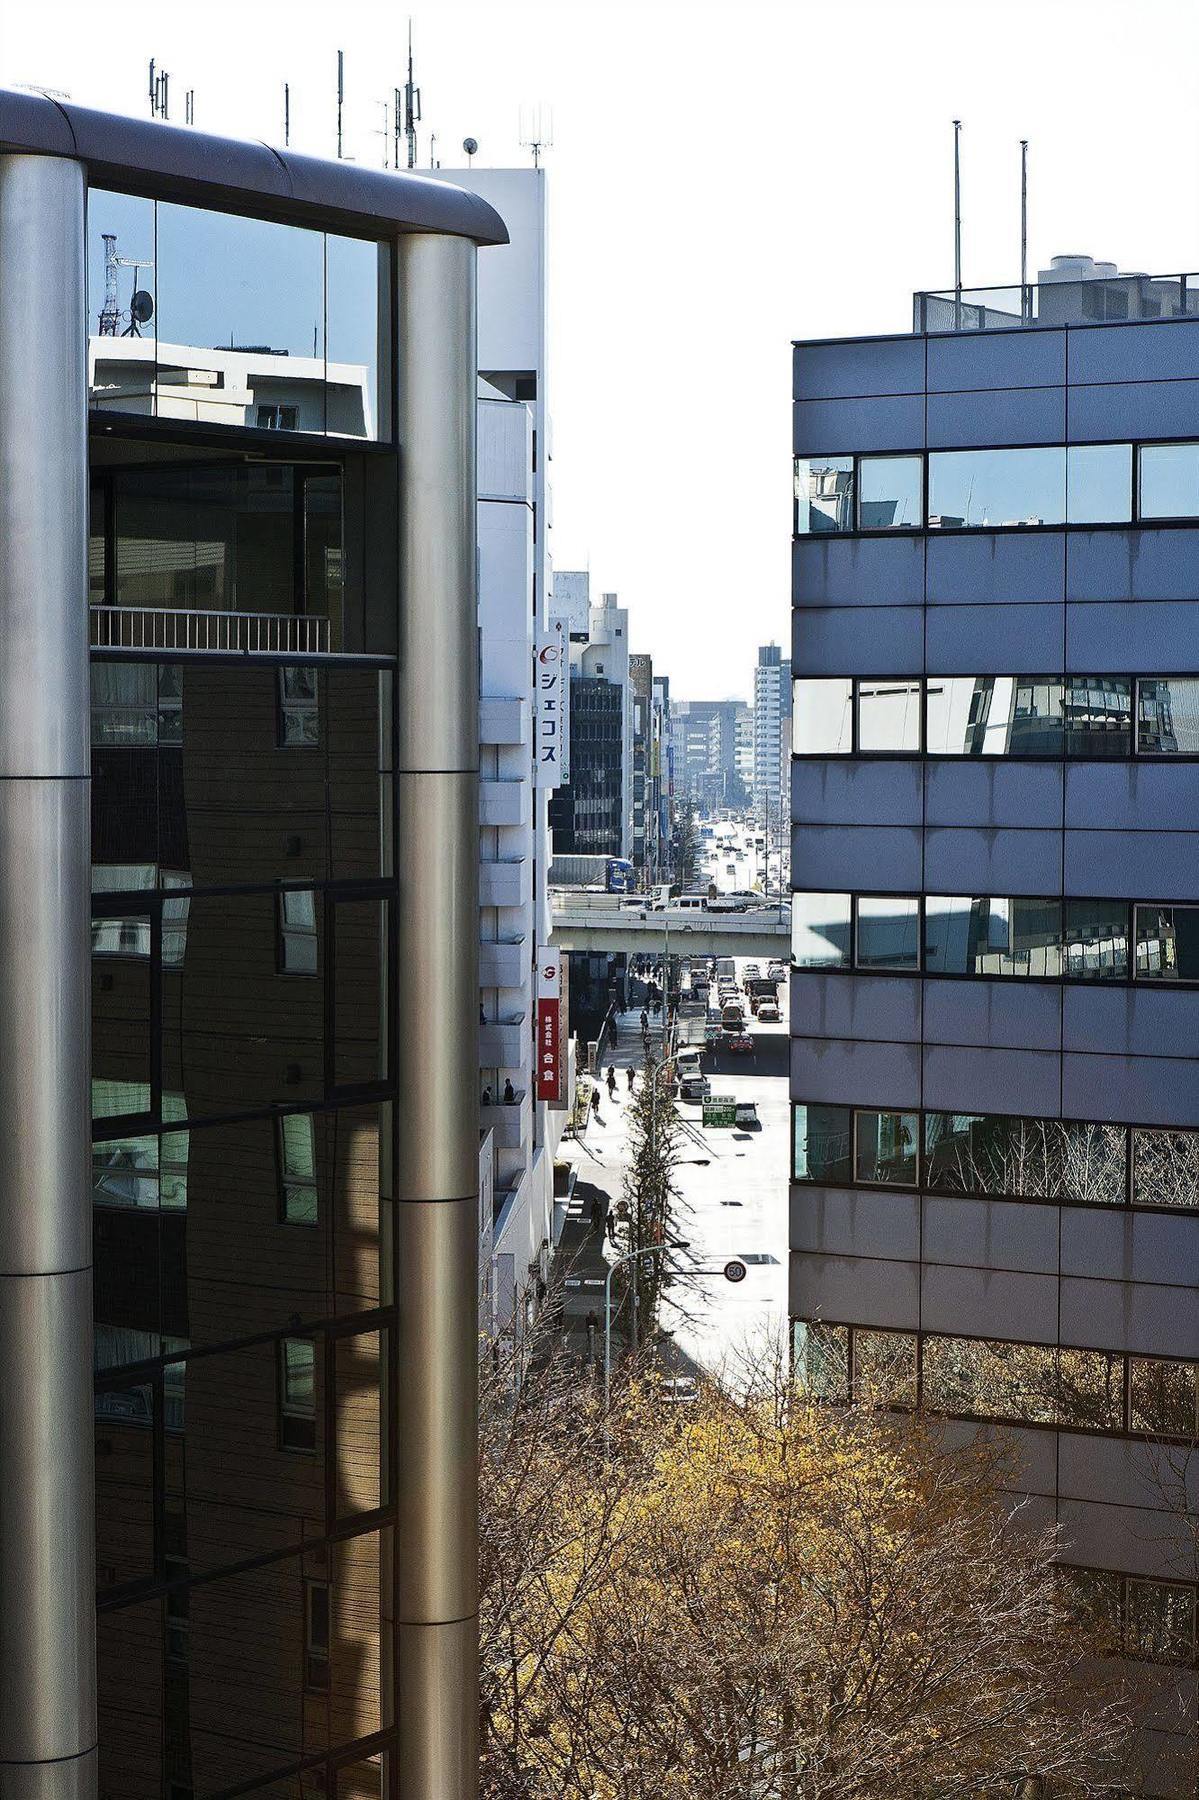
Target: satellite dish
x=471, y=146
x=141, y=307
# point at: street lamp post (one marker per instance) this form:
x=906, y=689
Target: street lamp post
x=631, y=1256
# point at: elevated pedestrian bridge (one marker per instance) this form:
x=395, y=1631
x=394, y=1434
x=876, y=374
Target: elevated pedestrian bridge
x=586, y=921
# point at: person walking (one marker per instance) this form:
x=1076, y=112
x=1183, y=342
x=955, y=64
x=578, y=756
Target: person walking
x=595, y=1101
x=644, y=1021
x=629, y=1075
x=611, y=1082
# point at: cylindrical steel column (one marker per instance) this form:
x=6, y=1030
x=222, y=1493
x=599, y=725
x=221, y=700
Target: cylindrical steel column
x=47, y=1576
x=437, y=1155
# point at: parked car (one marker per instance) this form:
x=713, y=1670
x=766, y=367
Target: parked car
x=747, y=1112
x=768, y=1012
x=686, y=1061
x=741, y=1045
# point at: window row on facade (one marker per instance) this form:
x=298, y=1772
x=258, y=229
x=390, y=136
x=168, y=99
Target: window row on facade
x=1041, y=484
x=1024, y=937
x=208, y=1005
x=1071, y=1389
x=996, y=1156
x=1044, y=716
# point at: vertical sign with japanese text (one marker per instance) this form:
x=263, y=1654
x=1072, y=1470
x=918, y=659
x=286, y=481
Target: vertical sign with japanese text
x=549, y=1026
x=551, y=712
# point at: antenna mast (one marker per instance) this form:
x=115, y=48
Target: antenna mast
x=189, y=107
x=110, y=313
x=412, y=105
x=341, y=94
x=535, y=134
x=1023, y=212
x=286, y=114
x=957, y=214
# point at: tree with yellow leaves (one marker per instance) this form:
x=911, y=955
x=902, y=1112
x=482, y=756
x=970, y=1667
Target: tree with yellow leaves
x=755, y=1598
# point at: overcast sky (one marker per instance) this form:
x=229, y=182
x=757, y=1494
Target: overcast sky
x=725, y=177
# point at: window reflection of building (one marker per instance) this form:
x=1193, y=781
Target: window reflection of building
x=241, y=1361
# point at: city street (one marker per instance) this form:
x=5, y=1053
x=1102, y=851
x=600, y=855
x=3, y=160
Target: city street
x=733, y=1184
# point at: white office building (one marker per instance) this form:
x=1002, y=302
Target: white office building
x=772, y=727
x=514, y=919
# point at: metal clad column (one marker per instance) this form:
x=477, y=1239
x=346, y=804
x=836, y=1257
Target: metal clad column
x=47, y=1577
x=436, y=1171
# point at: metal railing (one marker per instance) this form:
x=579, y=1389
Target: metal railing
x=1087, y=300
x=197, y=633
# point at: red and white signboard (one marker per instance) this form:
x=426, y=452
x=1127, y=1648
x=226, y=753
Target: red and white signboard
x=549, y=1026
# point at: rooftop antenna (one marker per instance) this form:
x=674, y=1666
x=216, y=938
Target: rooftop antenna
x=385, y=131
x=412, y=105
x=957, y=211
x=1023, y=212
x=397, y=125
x=536, y=134
x=164, y=95
x=189, y=107
x=471, y=146
x=433, y=162
x=153, y=92
x=341, y=94
x=286, y=113
x=141, y=303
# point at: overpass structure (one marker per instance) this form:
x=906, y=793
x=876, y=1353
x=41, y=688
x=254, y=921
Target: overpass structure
x=587, y=921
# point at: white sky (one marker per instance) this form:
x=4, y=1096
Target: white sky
x=724, y=177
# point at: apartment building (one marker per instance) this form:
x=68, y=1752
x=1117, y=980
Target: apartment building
x=592, y=815
x=203, y=1587
x=771, y=729
x=995, y=999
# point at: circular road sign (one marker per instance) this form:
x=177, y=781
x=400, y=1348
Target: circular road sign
x=735, y=1270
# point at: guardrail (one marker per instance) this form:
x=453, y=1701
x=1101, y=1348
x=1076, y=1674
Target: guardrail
x=191, y=632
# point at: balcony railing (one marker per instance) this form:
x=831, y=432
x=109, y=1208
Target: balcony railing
x=197, y=633
x=1088, y=300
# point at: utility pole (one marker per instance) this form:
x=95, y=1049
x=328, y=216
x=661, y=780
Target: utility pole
x=341, y=94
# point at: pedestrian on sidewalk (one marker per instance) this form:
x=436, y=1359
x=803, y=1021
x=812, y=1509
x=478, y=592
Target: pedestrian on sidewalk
x=644, y=1020
x=629, y=1072
x=599, y=1212
x=595, y=1101
x=611, y=1081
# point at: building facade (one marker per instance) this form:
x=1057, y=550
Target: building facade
x=205, y=1584
x=712, y=746
x=593, y=814
x=772, y=721
x=995, y=998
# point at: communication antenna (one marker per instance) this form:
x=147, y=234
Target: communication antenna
x=189, y=107
x=412, y=105
x=433, y=162
x=153, y=92
x=341, y=94
x=286, y=113
x=471, y=146
x=536, y=132
x=397, y=125
x=957, y=214
x=160, y=92
x=1023, y=212
x=384, y=131
x=141, y=303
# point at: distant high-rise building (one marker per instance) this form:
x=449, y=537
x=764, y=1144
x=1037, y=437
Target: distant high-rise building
x=772, y=716
x=593, y=814
x=711, y=772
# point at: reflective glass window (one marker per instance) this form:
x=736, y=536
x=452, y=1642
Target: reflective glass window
x=122, y=985
x=124, y=1463
x=316, y=1636
x=884, y=1367
x=820, y=930
x=357, y=281
x=1165, y=1168
x=141, y=1172
x=822, y=718
x=985, y=1379
x=1167, y=943
x=822, y=1360
x=889, y=717
x=360, y=930
x=1168, y=716
x=1098, y=484
x=990, y=935
x=1168, y=481
x=1054, y=1159
x=823, y=1143
x=299, y=1190
x=997, y=488
x=299, y=709
x=1098, y=712
x=122, y=302
x=241, y=318
x=1090, y=1389
x=888, y=932
x=824, y=493
x=885, y=1147
x=994, y=715
x=1163, y=1397
x=297, y=1394
x=1096, y=940
x=890, y=493
x=297, y=932
x=1160, y=1621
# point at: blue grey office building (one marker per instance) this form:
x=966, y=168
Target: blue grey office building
x=995, y=1004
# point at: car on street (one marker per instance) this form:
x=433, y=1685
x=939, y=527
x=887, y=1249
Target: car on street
x=695, y=1088
x=768, y=1012
x=747, y=1112
x=741, y=1044
x=752, y=972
